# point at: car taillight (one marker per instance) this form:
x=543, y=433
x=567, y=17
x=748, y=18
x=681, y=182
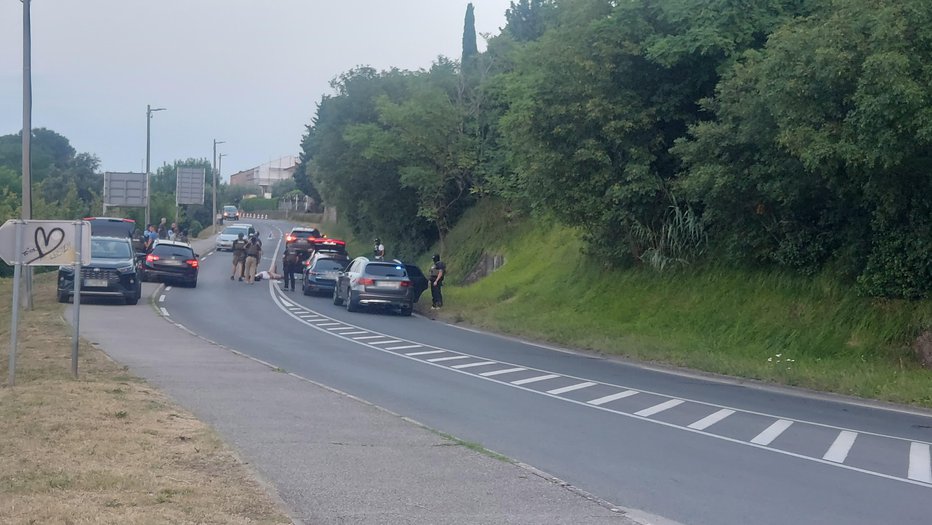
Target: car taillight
x=406, y=284
x=192, y=263
x=365, y=281
x=151, y=257
x=290, y=238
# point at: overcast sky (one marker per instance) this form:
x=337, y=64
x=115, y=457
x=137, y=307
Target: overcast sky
x=248, y=72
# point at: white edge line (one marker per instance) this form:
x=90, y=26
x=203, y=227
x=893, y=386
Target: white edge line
x=632, y=416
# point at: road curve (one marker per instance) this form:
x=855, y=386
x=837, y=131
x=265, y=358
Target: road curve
x=697, y=451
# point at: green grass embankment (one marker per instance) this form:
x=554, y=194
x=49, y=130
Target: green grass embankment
x=812, y=332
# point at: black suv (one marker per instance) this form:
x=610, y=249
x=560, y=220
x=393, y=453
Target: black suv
x=114, y=272
x=118, y=227
x=321, y=271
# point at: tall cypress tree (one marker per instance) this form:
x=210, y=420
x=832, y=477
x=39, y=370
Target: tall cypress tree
x=470, y=49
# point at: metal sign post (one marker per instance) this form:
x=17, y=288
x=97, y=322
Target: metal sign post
x=78, y=227
x=17, y=274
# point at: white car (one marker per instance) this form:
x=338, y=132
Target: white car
x=230, y=233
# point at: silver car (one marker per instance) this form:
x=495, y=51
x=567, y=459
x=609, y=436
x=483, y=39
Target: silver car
x=374, y=283
x=230, y=233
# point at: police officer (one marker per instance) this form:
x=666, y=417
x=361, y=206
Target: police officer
x=290, y=265
x=239, y=256
x=379, y=250
x=437, y=272
x=253, y=252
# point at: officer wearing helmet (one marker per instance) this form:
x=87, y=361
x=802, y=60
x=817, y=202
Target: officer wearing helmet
x=379, y=250
x=437, y=272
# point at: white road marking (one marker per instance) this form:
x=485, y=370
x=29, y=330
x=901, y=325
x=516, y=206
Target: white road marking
x=441, y=359
x=471, y=365
x=366, y=337
x=356, y=333
x=578, y=386
x=656, y=409
x=500, y=372
x=162, y=298
x=920, y=466
x=772, y=432
x=287, y=304
x=405, y=347
x=386, y=342
x=838, y=452
x=330, y=324
x=164, y=311
x=711, y=419
x=335, y=328
x=168, y=288
x=318, y=319
x=613, y=397
x=534, y=379
x=414, y=354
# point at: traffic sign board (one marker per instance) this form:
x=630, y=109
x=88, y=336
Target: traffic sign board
x=45, y=243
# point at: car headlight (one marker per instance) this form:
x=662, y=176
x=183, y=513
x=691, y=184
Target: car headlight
x=127, y=269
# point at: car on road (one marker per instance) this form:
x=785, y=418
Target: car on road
x=321, y=272
x=230, y=213
x=171, y=261
x=374, y=283
x=118, y=227
x=114, y=271
x=301, y=239
x=230, y=233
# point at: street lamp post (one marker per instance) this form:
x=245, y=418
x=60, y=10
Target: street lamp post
x=149, y=111
x=215, y=181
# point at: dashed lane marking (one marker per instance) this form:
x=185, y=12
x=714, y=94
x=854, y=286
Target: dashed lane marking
x=772, y=432
x=711, y=419
x=368, y=337
x=442, y=359
x=329, y=324
x=405, y=347
x=613, y=397
x=164, y=311
x=473, y=365
x=337, y=328
x=500, y=372
x=838, y=452
x=388, y=342
x=168, y=288
x=656, y=409
x=534, y=379
x=430, y=352
x=571, y=388
x=355, y=333
x=162, y=298
x=920, y=465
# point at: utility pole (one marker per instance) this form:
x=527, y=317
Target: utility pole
x=149, y=111
x=26, y=208
x=215, y=182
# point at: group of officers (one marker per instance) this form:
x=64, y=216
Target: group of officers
x=248, y=252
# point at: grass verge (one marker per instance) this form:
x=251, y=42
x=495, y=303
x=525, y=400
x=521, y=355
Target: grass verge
x=106, y=448
x=811, y=332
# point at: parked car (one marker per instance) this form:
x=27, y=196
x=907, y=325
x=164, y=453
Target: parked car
x=118, y=227
x=301, y=239
x=114, y=271
x=374, y=283
x=230, y=233
x=321, y=272
x=171, y=261
x=417, y=278
x=230, y=213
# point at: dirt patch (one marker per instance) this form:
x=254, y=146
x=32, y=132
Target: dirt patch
x=106, y=448
x=923, y=347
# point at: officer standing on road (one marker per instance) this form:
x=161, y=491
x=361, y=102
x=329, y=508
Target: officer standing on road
x=239, y=256
x=253, y=255
x=290, y=265
x=150, y=236
x=437, y=272
x=379, y=250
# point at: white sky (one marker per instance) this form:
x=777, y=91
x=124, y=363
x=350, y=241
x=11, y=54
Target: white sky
x=248, y=72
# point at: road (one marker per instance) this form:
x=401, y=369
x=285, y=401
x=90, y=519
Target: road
x=690, y=449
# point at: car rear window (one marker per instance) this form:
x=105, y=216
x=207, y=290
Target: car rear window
x=309, y=233
x=112, y=227
x=235, y=231
x=386, y=270
x=329, y=265
x=167, y=250
x=110, y=249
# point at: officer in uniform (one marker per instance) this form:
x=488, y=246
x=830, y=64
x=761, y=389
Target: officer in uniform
x=290, y=265
x=437, y=272
x=239, y=256
x=253, y=255
x=379, y=250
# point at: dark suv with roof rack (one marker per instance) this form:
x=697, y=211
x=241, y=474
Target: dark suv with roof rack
x=113, y=272
x=375, y=283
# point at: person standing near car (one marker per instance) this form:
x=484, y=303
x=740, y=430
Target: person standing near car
x=290, y=265
x=379, y=250
x=437, y=272
x=253, y=252
x=163, y=229
x=239, y=256
x=150, y=236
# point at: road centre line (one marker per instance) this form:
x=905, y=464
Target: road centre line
x=500, y=372
x=487, y=375
x=441, y=359
x=656, y=409
x=920, y=465
x=405, y=347
x=571, y=388
x=838, y=452
x=473, y=365
x=414, y=354
x=613, y=397
x=534, y=379
x=711, y=419
x=772, y=432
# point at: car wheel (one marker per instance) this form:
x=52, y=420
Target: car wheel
x=192, y=284
x=304, y=289
x=352, y=305
x=63, y=297
x=406, y=311
x=132, y=300
x=336, y=298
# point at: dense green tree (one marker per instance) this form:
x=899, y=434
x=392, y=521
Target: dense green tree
x=526, y=20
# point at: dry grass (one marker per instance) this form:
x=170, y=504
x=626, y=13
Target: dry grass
x=106, y=448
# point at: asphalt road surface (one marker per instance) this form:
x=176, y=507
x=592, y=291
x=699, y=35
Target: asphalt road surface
x=690, y=449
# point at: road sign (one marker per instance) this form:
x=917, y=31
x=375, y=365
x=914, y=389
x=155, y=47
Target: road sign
x=125, y=189
x=45, y=243
x=189, y=186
